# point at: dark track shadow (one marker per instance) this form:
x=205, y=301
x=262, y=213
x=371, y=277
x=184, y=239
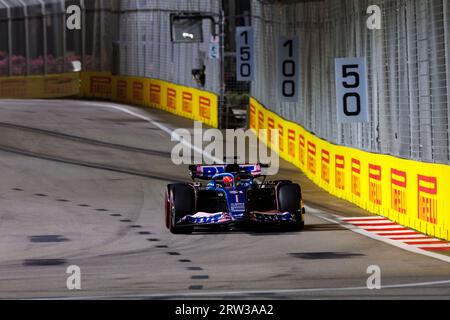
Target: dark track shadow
x=323, y=227
x=253, y=231
x=324, y=255
x=267, y=230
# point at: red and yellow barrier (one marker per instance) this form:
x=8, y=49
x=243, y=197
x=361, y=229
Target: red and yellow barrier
x=414, y=194
x=40, y=87
x=184, y=101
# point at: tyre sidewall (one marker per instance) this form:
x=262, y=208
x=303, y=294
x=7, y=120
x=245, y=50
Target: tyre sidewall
x=289, y=198
x=181, y=204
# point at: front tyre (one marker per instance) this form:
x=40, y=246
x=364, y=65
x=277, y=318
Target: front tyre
x=180, y=201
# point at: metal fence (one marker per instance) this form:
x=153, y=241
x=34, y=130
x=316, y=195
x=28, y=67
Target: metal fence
x=408, y=71
x=144, y=45
x=237, y=93
x=35, y=39
x=408, y=59
x=126, y=37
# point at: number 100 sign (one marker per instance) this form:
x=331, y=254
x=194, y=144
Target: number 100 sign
x=351, y=90
x=288, y=69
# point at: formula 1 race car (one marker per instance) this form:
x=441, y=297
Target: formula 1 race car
x=234, y=195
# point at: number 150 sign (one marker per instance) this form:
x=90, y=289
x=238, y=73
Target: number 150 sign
x=244, y=53
x=351, y=90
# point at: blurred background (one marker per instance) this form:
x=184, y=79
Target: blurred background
x=408, y=59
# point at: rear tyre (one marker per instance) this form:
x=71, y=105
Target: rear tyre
x=181, y=203
x=289, y=200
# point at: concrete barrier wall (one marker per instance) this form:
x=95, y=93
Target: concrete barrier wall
x=184, y=101
x=412, y=193
x=40, y=87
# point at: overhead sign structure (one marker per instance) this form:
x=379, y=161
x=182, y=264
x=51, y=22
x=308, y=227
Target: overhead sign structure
x=351, y=90
x=289, y=69
x=244, y=54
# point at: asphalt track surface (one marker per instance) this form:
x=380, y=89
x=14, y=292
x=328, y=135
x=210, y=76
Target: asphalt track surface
x=82, y=183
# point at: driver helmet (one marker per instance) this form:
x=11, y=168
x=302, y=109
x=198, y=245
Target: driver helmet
x=228, y=182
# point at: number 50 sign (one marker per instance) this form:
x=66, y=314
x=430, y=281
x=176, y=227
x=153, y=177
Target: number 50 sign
x=351, y=90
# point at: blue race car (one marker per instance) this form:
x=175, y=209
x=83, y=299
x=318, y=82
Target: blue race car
x=234, y=195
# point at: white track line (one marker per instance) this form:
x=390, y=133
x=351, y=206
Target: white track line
x=168, y=130
x=252, y=292
x=411, y=236
x=370, y=224
x=433, y=245
x=384, y=228
x=353, y=219
x=424, y=240
x=337, y=219
x=399, y=232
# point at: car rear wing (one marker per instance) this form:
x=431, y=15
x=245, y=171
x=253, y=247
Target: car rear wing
x=206, y=172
